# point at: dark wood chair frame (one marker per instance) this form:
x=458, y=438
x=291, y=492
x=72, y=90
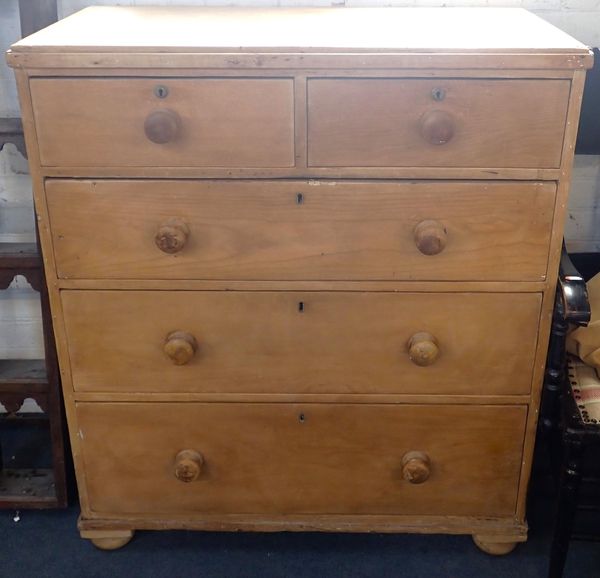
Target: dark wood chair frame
x=560, y=421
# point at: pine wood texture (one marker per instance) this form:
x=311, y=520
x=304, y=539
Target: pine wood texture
x=308, y=342
x=493, y=547
x=281, y=242
x=221, y=122
x=305, y=30
x=108, y=539
x=300, y=459
x=299, y=230
x=486, y=123
x=291, y=38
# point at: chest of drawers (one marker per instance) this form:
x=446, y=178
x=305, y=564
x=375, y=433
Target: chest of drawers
x=301, y=261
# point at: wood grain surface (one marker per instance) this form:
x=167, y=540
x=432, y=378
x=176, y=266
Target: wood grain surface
x=379, y=122
x=301, y=230
x=271, y=459
x=223, y=122
x=279, y=366
x=301, y=342
x=188, y=29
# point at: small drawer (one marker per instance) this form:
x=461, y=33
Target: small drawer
x=186, y=459
x=165, y=122
x=267, y=230
x=436, y=122
x=301, y=342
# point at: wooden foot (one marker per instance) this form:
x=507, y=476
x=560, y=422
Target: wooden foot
x=494, y=545
x=108, y=539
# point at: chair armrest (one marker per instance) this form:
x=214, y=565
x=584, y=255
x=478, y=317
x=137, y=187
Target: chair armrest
x=573, y=292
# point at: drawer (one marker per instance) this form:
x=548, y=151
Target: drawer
x=300, y=459
x=301, y=342
x=320, y=230
x=436, y=122
x=149, y=122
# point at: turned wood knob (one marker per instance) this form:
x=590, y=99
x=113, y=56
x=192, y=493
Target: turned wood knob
x=423, y=348
x=162, y=126
x=180, y=347
x=416, y=467
x=430, y=237
x=437, y=127
x=188, y=465
x=172, y=236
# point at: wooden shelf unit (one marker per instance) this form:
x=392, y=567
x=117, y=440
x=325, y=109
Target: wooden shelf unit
x=36, y=379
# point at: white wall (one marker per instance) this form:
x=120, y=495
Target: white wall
x=20, y=315
x=20, y=328
x=582, y=228
x=10, y=31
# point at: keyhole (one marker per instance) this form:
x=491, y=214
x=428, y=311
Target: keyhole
x=299, y=198
x=161, y=91
x=301, y=418
x=438, y=94
x=301, y=306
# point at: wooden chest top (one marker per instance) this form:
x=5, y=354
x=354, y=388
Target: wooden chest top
x=411, y=37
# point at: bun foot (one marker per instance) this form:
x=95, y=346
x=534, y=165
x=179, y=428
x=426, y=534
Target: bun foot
x=108, y=539
x=494, y=545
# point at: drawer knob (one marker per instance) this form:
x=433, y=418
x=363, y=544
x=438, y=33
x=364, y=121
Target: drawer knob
x=180, y=347
x=423, y=349
x=430, y=237
x=172, y=236
x=437, y=127
x=188, y=465
x=416, y=467
x=162, y=126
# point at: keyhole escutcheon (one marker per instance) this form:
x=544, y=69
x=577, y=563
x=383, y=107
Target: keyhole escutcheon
x=161, y=91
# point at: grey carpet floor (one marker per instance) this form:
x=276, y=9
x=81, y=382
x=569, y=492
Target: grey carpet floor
x=46, y=544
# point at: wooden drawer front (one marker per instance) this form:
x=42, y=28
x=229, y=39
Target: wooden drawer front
x=299, y=459
x=259, y=230
x=436, y=123
x=207, y=123
x=319, y=342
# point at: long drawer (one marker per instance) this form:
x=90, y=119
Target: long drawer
x=301, y=342
x=299, y=230
x=147, y=122
x=436, y=122
x=188, y=459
